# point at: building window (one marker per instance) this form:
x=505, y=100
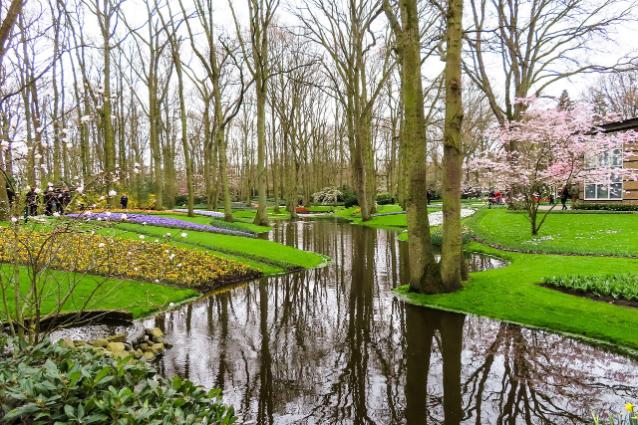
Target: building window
x=610, y=190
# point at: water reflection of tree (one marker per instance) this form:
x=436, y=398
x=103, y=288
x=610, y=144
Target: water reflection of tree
x=543, y=378
x=421, y=327
x=333, y=345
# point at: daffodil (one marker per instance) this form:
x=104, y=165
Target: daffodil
x=629, y=407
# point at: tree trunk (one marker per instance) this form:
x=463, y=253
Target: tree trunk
x=452, y=248
x=423, y=269
x=261, y=218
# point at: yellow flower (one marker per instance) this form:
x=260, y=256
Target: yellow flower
x=629, y=407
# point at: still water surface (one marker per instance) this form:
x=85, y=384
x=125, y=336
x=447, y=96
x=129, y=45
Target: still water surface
x=334, y=346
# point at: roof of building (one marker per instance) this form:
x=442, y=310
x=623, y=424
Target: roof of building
x=624, y=125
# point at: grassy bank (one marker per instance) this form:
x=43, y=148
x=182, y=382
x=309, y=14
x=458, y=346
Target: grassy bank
x=260, y=254
x=141, y=297
x=137, y=298
x=582, y=234
x=513, y=294
x=595, y=244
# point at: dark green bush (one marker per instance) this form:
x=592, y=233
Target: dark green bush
x=618, y=286
x=599, y=206
x=384, y=198
x=52, y=384
x=197, y=200
x=348, y=197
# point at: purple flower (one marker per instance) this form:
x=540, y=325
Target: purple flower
x=154, y=220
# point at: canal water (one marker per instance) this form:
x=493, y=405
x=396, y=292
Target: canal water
x=335, y=346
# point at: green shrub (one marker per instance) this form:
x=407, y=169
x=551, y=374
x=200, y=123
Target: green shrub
x=50, y=383
x=384, y=198
x=618, y=286
x=348, y=197
x=182, y=199
x=599, y=206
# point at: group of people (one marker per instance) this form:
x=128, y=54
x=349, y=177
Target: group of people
x=495, y=197
x=56, y=200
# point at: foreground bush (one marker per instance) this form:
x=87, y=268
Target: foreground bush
x=139, y=260
x=49, y=383
x=617, y=286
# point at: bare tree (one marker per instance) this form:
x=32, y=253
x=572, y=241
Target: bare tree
x=261, y=13
x=517, y=48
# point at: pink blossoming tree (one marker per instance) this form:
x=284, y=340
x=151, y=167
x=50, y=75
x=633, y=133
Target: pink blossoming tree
x=549, y=149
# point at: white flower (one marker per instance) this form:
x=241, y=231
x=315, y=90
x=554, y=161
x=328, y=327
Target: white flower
x=85, y=118
x=142, y=236
x=112, y=193
x=80, y=189
x=50, y=184
x=89, y=213
x=156, y=280
x=143, y=223
x=171, y=257
x=108, y=213
x=102, y=198
x=14, y=219
x=136, y=268
x=156, y=240
x=37, y=190
x=99, y=219
x=124, y=217
x=168, y=235
x=101, y=245
x=179, y=265
x=183, y=234
x=56, y=214
x=4, y=145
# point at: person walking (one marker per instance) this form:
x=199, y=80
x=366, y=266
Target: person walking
x=124, y=201
x=564, y=196
x=50, y=201
x=32, y=202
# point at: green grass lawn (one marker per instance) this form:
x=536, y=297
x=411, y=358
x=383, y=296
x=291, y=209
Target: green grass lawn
x=143, y=298
x=513, y=294
x=138, y=298
x=584, y=234
x=263, y=255
x=249, y=214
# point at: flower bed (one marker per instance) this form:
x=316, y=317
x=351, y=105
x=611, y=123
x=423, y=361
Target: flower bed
x=139, y=260
x=612, y=288
x=155, y=220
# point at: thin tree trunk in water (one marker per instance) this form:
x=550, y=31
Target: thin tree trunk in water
x=182, y=112
x=261, y=218
x=423, y=269
x=223, y=174
x=452, y=248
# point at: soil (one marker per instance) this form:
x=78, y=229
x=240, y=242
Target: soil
x=592, y=296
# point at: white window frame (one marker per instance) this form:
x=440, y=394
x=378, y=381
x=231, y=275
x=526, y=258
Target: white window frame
x=609, y=181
